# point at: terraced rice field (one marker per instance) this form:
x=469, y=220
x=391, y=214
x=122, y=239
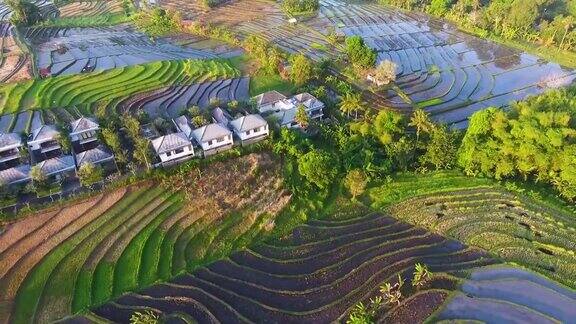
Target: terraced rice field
x=65, y=51
x=511, y=295
x=47, y=9
x=314, y=275
x=511, y=226
x=29, y=120
x=14, y=64
x=59, y=262
x=109, y=86
x=261, y=17
x=90, y=8
x=448, y=73
x=170, y=101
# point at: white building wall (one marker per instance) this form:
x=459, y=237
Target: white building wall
x=210, y=145
x=36, y=144
x=187, y=151
x=263, y=131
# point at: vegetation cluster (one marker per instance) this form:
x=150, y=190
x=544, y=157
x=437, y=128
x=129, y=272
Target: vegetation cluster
x=550, y=23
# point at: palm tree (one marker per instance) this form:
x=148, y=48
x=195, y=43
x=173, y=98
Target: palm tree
x=352, y=103
x=421, y=121
x=568, y=23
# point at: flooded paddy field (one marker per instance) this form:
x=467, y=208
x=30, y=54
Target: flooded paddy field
x=448, y=73
x=62, y=51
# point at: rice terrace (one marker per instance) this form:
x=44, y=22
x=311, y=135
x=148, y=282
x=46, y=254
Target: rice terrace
x=287, y=161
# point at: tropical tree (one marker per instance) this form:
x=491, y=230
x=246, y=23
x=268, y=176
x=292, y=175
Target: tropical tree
x=388, y=126
x=24, y=12
x=90, y=174
x=318, y=167
x=111, y=138
x=359, y=54
x=352, y=103
x=441, y=150
x=301, y=70
x=64, y=141
x=421, y=121
x=37, y=175
x=535, y=139
x=302, y=117
x=356, y=182
x=142, y=152
x=568, y=24
x=132, y=126
x=158, y=21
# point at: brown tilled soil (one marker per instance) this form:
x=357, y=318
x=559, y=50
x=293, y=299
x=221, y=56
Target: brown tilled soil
x=231, y=13
x=223, y=187
x=27, y=259
x=16, y=66
x=90, y=8
x=42, y=233
x=14, y=231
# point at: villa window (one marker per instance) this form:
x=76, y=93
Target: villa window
x=179, y=151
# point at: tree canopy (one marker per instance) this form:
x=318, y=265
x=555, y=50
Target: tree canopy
x=158, y=21
x=24, y=12
x=359, y=53
x=535, y=140
x=318, y=167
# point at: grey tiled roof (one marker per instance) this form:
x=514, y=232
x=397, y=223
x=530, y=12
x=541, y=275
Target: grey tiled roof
x=183, y=125
x=57, y=164
x=9, y=139
x=15, y=175
x=210, y=132
x=83, y=124
x=44, y=133
x=95, y=155
x=220, y=116
x=308, y=100
x=269, y=97
x=248, y=122
x=170, y=142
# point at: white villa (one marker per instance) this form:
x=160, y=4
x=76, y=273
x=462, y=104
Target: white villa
x=173, y=148
x=10, y=145
x=213, y=138
x=84, y=131
x=266, y=102
x=284, y=109
x=250, y=129
x=43, y=143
